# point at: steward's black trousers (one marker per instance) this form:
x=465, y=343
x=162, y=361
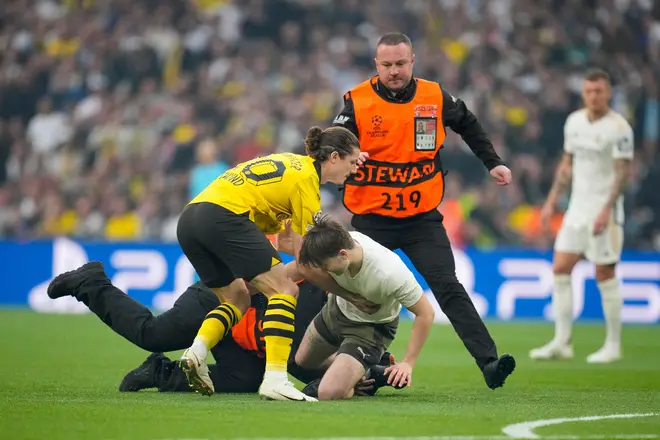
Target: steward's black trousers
x=236, y=370
x=424, y=240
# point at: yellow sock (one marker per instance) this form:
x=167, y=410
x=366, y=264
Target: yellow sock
x=218, y=323
x=278, y=331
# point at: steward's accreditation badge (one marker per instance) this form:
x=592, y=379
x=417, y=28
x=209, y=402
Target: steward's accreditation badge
x=426, y=127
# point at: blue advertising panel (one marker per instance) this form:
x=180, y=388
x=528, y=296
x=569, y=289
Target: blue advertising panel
x=504, y=284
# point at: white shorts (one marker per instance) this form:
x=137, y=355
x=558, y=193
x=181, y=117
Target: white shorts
x=601, y=249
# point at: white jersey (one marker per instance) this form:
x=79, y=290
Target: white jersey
x=383, y=278
x=595, y=146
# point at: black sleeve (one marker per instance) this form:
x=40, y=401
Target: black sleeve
x=346, y=118
x=462, y=121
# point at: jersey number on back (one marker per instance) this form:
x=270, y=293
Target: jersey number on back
x=264, y=171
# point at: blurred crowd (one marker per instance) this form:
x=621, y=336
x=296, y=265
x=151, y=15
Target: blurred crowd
x=113, y=113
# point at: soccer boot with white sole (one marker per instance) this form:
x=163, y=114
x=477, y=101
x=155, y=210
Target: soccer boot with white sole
x=197, y=373
x=552, y=350
x=282, y=390
x=606, y=355
x=68, y=283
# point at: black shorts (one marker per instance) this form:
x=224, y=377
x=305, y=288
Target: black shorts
x=223, y=246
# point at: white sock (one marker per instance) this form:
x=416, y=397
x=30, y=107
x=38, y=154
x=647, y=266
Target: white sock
x=562, y=305
x=612, y=300
x=199, y=348
x=278, y=376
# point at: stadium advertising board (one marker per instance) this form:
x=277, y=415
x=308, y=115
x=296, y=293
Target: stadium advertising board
x=505, y=284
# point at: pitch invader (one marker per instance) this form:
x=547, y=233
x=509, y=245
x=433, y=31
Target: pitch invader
x=598, y=150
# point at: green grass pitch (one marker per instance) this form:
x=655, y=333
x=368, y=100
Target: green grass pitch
x=59, y=377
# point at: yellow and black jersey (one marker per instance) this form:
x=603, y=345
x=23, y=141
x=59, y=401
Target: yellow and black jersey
x=272, y=189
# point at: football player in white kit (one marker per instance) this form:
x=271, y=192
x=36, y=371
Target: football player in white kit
x=598, y=150
x=342, y=340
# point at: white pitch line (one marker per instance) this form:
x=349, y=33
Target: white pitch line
x=525, y=429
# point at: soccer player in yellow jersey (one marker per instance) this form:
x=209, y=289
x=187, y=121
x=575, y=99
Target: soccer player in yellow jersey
x=223, y=231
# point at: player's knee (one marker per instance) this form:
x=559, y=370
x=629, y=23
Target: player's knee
x=561, y=269
x=604, y=273
x=283, y=286
x=563, y=263
x=275, y=282
x=290, y=288
x=238, y=295
x=329, y=390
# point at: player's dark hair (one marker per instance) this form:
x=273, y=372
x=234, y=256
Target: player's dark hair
x=326, y=238
x=596, y=74
x=394, y=39
x=320, y=144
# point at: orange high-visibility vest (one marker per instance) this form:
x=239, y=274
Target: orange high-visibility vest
x=245, y=332
x=403, y=176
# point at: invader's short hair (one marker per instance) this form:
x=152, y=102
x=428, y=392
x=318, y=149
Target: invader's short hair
x=323, y=241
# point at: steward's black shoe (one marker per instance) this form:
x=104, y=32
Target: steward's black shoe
x=312, y=388
x=377, y=372
x=387, y=359
x=496, y=372
x=144, y=376
x=69, y=282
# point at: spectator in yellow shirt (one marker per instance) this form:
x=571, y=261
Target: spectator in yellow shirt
x=123, y=224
